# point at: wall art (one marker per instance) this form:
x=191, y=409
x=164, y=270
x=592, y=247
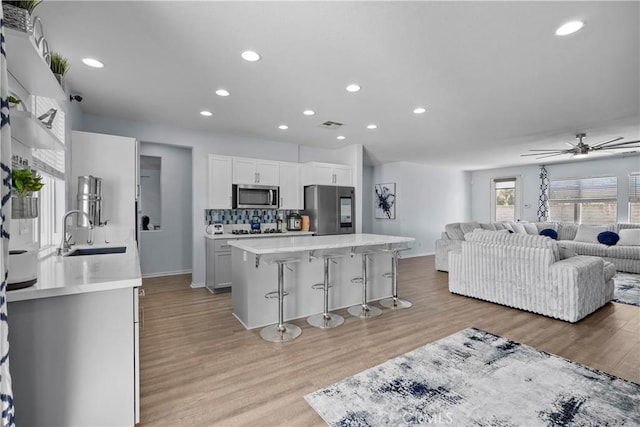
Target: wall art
x=385, y=201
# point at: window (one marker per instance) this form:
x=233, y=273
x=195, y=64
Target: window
x=504, y=194
x=583, y=200
x=634, y=197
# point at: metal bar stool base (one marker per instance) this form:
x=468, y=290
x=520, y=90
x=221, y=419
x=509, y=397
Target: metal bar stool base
x=323, y=321
x=274, y=333
x=394, y=303
x=364, y=311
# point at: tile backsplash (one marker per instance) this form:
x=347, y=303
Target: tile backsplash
x=243, y=216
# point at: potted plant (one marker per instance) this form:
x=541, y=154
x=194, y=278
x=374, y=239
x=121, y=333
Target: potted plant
x=13, y=101
x=25, y=183
x=17, y=14
x=59, y=66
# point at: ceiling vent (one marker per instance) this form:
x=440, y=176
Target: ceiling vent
x=330, y=125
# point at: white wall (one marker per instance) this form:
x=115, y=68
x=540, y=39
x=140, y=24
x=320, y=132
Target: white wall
x=203, y=144
x=427, y=198
x=169, y=250
x=620, y=167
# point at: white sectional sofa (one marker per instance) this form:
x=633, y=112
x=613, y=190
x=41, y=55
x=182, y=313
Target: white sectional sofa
x=528, y=272
x=625, y=257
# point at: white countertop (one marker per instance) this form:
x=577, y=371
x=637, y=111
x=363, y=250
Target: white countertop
x=261, y=235
x=312, y=243
x=62, y=275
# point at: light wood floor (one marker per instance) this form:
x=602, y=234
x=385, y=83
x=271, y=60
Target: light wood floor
x=200, y=367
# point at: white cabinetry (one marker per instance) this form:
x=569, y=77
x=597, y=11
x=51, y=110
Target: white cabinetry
x=254, y=171
x=315, y=173
x=73, y=359
x=218, y=268
x=220, y=168
x=290, y=186
x=115, y=160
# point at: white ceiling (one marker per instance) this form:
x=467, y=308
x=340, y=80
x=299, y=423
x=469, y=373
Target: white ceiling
x=494, y=78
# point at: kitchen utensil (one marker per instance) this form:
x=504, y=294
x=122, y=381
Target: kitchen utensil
x=255, y=223
x=294, y=222
x=305, y=222
x=215, y=228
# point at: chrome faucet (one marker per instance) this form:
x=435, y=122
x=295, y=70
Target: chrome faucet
x=65, y=245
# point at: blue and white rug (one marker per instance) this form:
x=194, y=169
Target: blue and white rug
x=475, y=378
x=627, y=288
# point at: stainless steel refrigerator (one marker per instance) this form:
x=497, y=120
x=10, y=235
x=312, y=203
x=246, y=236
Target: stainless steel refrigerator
x=331, y=209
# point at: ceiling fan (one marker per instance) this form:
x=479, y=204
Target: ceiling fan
x=581, y=149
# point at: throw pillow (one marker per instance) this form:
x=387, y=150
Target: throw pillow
x=589, y=233
x=518, y=228
x=629, y=237
x=566, y=252
x=549, y=232
x=608, y=238
x=530, y=228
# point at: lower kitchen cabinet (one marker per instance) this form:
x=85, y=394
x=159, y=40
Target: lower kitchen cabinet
x=218, y=268
x=74, y=359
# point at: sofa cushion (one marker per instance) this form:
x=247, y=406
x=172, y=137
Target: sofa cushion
x=567, y=231
x=623, y=226
x=468, y=227
x=453, y=231
x=544, y=225
x=608, y=238
x=609, y=270
x=629, y=237
x=584, y=248
x=488, y=226
x=589, y=233
x=623, y=252
x=566, y=252
x=549, y=232
x=514, y=239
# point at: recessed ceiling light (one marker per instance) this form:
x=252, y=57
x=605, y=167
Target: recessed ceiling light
x=283, y=127
x=341, y=137
x=419, y=110
x=206, y=113
x=308, y=112
x=569, y=28
x=251, y=56
x=92, y=62
x=372, y=126
x=222, y=92
x=353, y=88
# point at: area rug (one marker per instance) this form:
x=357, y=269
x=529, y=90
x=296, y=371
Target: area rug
x=627, y=288
x=475, y=378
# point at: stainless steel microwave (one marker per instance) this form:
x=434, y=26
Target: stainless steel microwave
x=247, y=196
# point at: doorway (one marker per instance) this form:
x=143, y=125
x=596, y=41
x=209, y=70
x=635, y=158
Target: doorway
x=165, y=199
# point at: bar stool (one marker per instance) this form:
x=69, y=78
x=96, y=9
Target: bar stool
x=394, y=302
x=364, y=310
x=281, y=332
x=325, y=319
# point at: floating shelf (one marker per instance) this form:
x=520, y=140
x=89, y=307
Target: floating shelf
x=30, y=132
x=28, y=67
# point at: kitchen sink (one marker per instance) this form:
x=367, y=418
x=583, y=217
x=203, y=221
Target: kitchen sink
x=98, y=251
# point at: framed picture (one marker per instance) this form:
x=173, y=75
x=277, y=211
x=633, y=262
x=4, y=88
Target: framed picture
x=384, y=200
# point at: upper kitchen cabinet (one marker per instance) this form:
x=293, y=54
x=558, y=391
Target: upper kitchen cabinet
x=255, y=171
x=290, y=188
x=220, y=184
x=28, y=67
x=316, y=173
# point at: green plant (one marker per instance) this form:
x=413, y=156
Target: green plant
x=59, y=64
x=13, y=100
x=25, y=181
x=29, y=5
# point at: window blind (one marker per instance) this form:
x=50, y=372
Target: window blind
x=634, y=187
x=583, y=189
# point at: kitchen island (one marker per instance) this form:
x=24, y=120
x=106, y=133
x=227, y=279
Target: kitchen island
x=74, y=341
x=254, y=274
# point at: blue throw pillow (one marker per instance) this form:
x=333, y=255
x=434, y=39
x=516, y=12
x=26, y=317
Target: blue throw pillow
x=549, y=232
x=608, y=238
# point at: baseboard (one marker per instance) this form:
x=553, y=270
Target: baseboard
x=166, y=273
x=414, y=255
x=197, y=285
